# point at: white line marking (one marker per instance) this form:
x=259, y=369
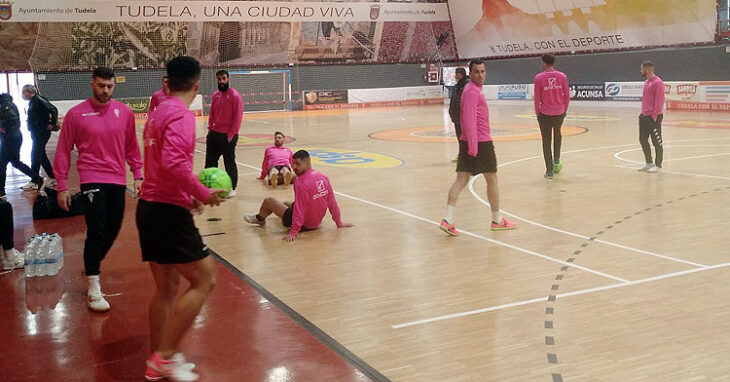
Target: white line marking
x=562, y=295
x=584, y=237
x=619, y=157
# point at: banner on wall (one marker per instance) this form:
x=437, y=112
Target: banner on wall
x=587, y=92
x=530, y=27
x=624, y=91
x=217, y=11
x=518, y=91
x=325, y=97
x=682, y=91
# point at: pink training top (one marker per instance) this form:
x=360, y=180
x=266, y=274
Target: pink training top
x=652, y=102
x=474, y=118
x=158, y=97
x=313, y=195
x=276, y=156
x=226, y=112
x=169, y=146
x=105, y=137
x=552, y=94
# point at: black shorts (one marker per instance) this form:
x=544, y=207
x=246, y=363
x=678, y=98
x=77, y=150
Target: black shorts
x=287, y=217
x=278, y=168
x=485, y=161
x=167, y=234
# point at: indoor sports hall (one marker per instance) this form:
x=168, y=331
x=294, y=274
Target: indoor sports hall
x=611, y=274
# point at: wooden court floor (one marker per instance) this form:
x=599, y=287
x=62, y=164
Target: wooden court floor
x=612, y=274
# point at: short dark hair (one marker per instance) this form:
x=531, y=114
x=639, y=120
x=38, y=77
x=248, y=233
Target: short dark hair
x=647, y=64
x=103, y=72
x=182, y=73
x=222, y=72
x=473, y=62
x=462, y=71
x=549, y=59
x=301, y=154
x=165, y=77
x=279, y=133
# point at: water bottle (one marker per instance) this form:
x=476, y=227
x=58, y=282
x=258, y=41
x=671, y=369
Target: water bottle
x=42, y=257
x=55, y=258
x=30, y=256
x=59, y=262
x=50, y=256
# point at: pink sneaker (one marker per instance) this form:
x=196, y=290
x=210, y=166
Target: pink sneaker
x=504, y=225
x=448, y=228
x=174, y=368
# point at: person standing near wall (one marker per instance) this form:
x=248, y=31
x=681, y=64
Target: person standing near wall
x=224, y=122
x=650, y=119
x=159, y=96
x=10, y=141
x=42, y=119
x=552, y=96
x=455, y=105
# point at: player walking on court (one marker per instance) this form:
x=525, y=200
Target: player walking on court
x=103, y=131
x=552, y=97
x=476, y=151
x=170, y=242
x=159, y=96
x=650, y=119
x=224, y=122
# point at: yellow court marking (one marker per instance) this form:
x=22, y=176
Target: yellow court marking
x=350, y=158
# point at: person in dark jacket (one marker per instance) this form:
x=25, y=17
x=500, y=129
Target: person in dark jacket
x=42, y=119
x=455, y=105
x=10, y=141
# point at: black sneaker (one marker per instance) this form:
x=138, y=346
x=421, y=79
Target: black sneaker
x=549, y=175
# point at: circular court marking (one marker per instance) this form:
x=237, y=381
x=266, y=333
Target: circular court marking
x=440, y=134
x=350, y=158
x=254, y=140
x=576, y=118
x=690, y=124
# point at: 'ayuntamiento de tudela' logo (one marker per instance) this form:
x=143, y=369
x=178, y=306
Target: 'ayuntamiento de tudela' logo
x=6, y=11
x=374, y=12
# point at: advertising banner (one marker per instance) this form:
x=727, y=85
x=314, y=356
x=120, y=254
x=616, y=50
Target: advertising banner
x=682, y=91
x=217, y=11
x=314, y=99
x=518, y=91
x=587, y=92
x=531, y=27
x=624, y=91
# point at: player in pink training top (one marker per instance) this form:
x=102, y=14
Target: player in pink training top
x=552, y=97
x=650, y=119
x=159, y=96
x=170, y=242
x=278, y=162
x=313, y=196
x=224, y=122
x=103, y=131
x=476, y=151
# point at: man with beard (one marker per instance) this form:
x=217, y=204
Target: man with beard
x=278, y=162
x=103, y=131
x=224, y=122
x=313, y=196
x=650, y=119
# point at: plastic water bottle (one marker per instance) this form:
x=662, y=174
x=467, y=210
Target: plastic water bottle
x=42, y=257
x=55, y=254
x=31, y=249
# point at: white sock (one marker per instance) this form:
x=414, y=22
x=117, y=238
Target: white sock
x=93, y=285
x=497, y=217
x=449, y=214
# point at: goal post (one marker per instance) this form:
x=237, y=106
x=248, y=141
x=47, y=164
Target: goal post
x=263, y=90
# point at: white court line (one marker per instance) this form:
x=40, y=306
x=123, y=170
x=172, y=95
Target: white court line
x=480, y=237
x=619, y=157
x=562, y=295
x=584, y=237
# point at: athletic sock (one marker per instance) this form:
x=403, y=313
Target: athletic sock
x=449, y=214
x=497, y=217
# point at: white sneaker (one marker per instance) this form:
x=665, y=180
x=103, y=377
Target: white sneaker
x=97, y=303
x=231, y=194
x=51, y=183
x=654, y=169
x=647, y=167
x=175, y=368
x=29, y=186
x=252, y=219
x=12, y=259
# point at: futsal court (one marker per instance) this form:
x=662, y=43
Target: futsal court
x=612, y=274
